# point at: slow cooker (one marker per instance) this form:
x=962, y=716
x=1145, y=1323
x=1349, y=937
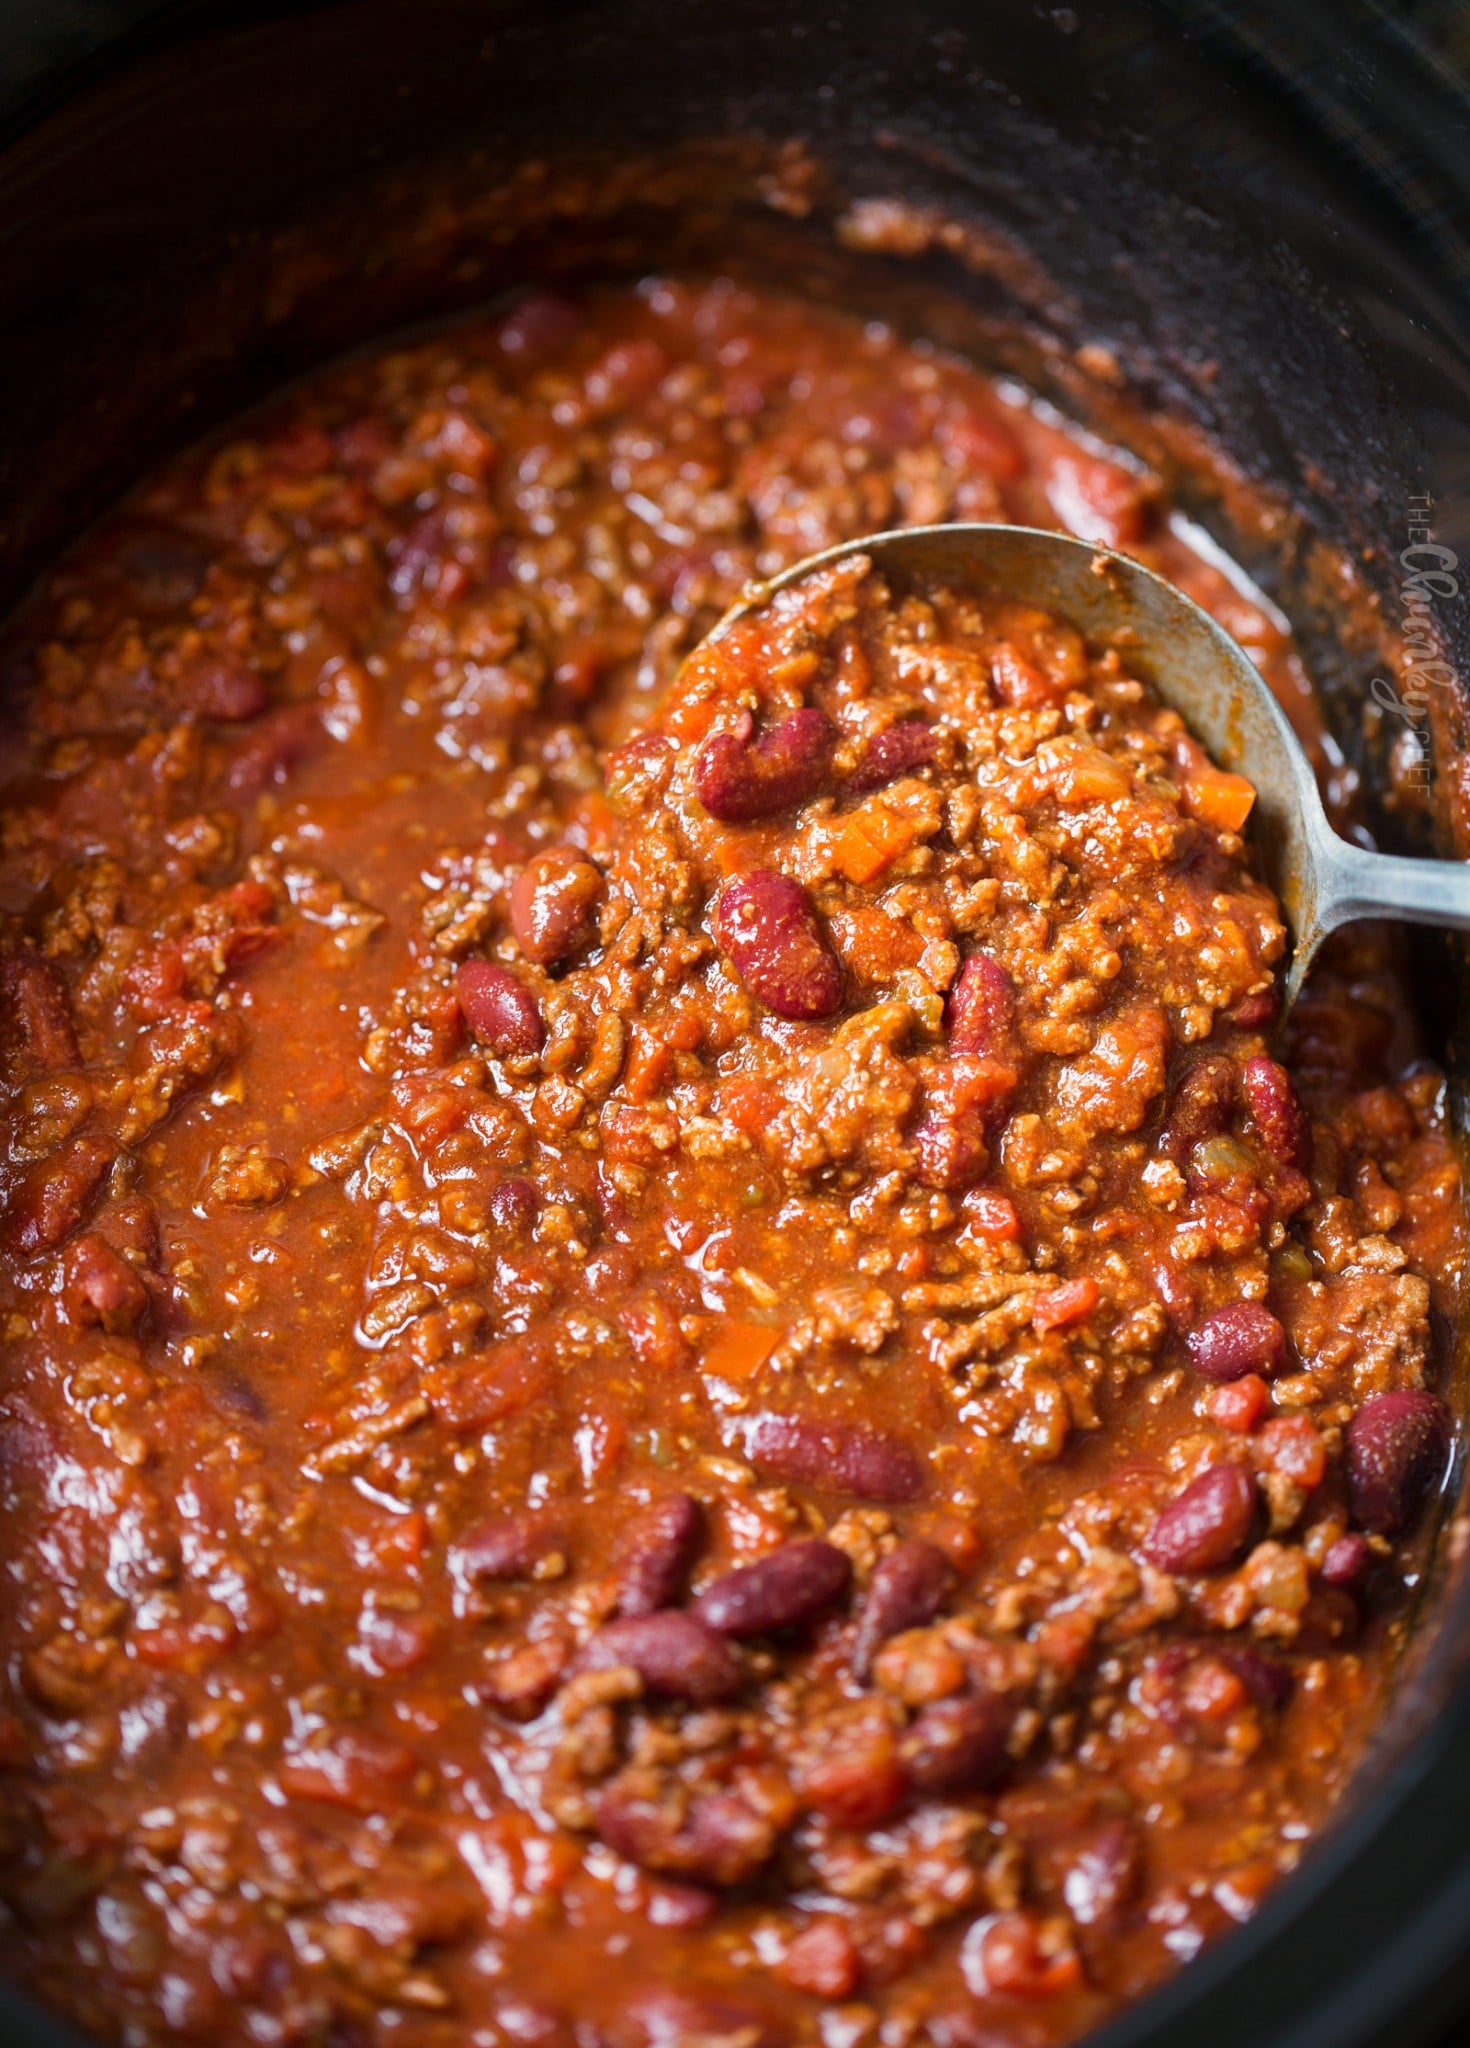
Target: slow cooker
x=1253, y=220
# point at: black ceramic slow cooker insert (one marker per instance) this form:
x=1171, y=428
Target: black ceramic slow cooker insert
x=200, y=201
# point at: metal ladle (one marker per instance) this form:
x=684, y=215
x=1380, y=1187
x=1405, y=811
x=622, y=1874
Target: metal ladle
x=1321, y=879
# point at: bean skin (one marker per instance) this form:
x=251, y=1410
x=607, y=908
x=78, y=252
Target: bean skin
x=676, y=1654
x=1348, y=1563
x=500, y=1010
x=770, y=932
x=738, y=778
x=1242, y=1337
x=56, y=1194
x=845, y=1457
x=982, y=1010
x=714, y=1838
x=899, y=749
x=1202, y=1105
x=1277, y=1114
x=506, y=1547
x=906, y=1590
x=553, y=905
x=658, y=1548
x=1207, y=1526
x=224, y=688
x=793, y=1585
x=956, y=1745
x=1266, y=1679
x=1395, y=1450
x=1104, y=1874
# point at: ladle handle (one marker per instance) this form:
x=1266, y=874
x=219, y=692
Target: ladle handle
x=1352, y=882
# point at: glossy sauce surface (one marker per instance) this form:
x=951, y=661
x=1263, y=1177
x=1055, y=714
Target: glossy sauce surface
x=680, y=1364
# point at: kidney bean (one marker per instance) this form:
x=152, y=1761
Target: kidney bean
x=1348, y=1562
x=1277, y=1114
x=1202, y=1105
x=906, y=1590
x=280, y=742
x=951, y=1148
x=658, y=1548
x=553, y=905
x=899, y=749
x=738, y=778
x=223, y=687
x=50, y=1200
x=770, y=932
x=794, y=1584
x=514, y=1204
x=506, y=1547
x=99, y=1286
x=956, y=1745
x=541, y=323
x=1104, y=1874
x=500, y=1010
x=1239, y=1338
x=36, y=1010
x=982, y=1010
x=715, y=1838
x=1252, y=1012
x=847, y=1457
x=1395, y=1449
x=676, y=1654
x=1207, y=1525
x=1268, y=1681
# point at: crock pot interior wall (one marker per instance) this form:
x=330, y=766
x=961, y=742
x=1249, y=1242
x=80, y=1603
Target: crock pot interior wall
x=253, y=191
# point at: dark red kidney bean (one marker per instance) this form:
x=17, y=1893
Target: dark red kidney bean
x=280, y=741
x=35, y=1010
x=676, y=1654
x=982, y=1010
x=1104, y=1873
x=500, y=1010
x=902, y=747
x=53, y=1196
x=506, y=1547
x=1395, y=1449
x=1242, y=1337
x=1202, y=1104
x=951, y=1148
x=738, y=778
x=713, y=1837
x=553, y=905
x=99, y=1286
x=955, y=1746
x=1268, y=1681
x=847, y=1457
x=1207, y=1526
x=541, y=323
x=1254, y=1011
x=776, y=946
x=657, y=1552
x=1271, y=1100
x=223, y=687
x=1348, y=1563
x=514, y=1204
x=906, y=1590
x=794, y=1584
